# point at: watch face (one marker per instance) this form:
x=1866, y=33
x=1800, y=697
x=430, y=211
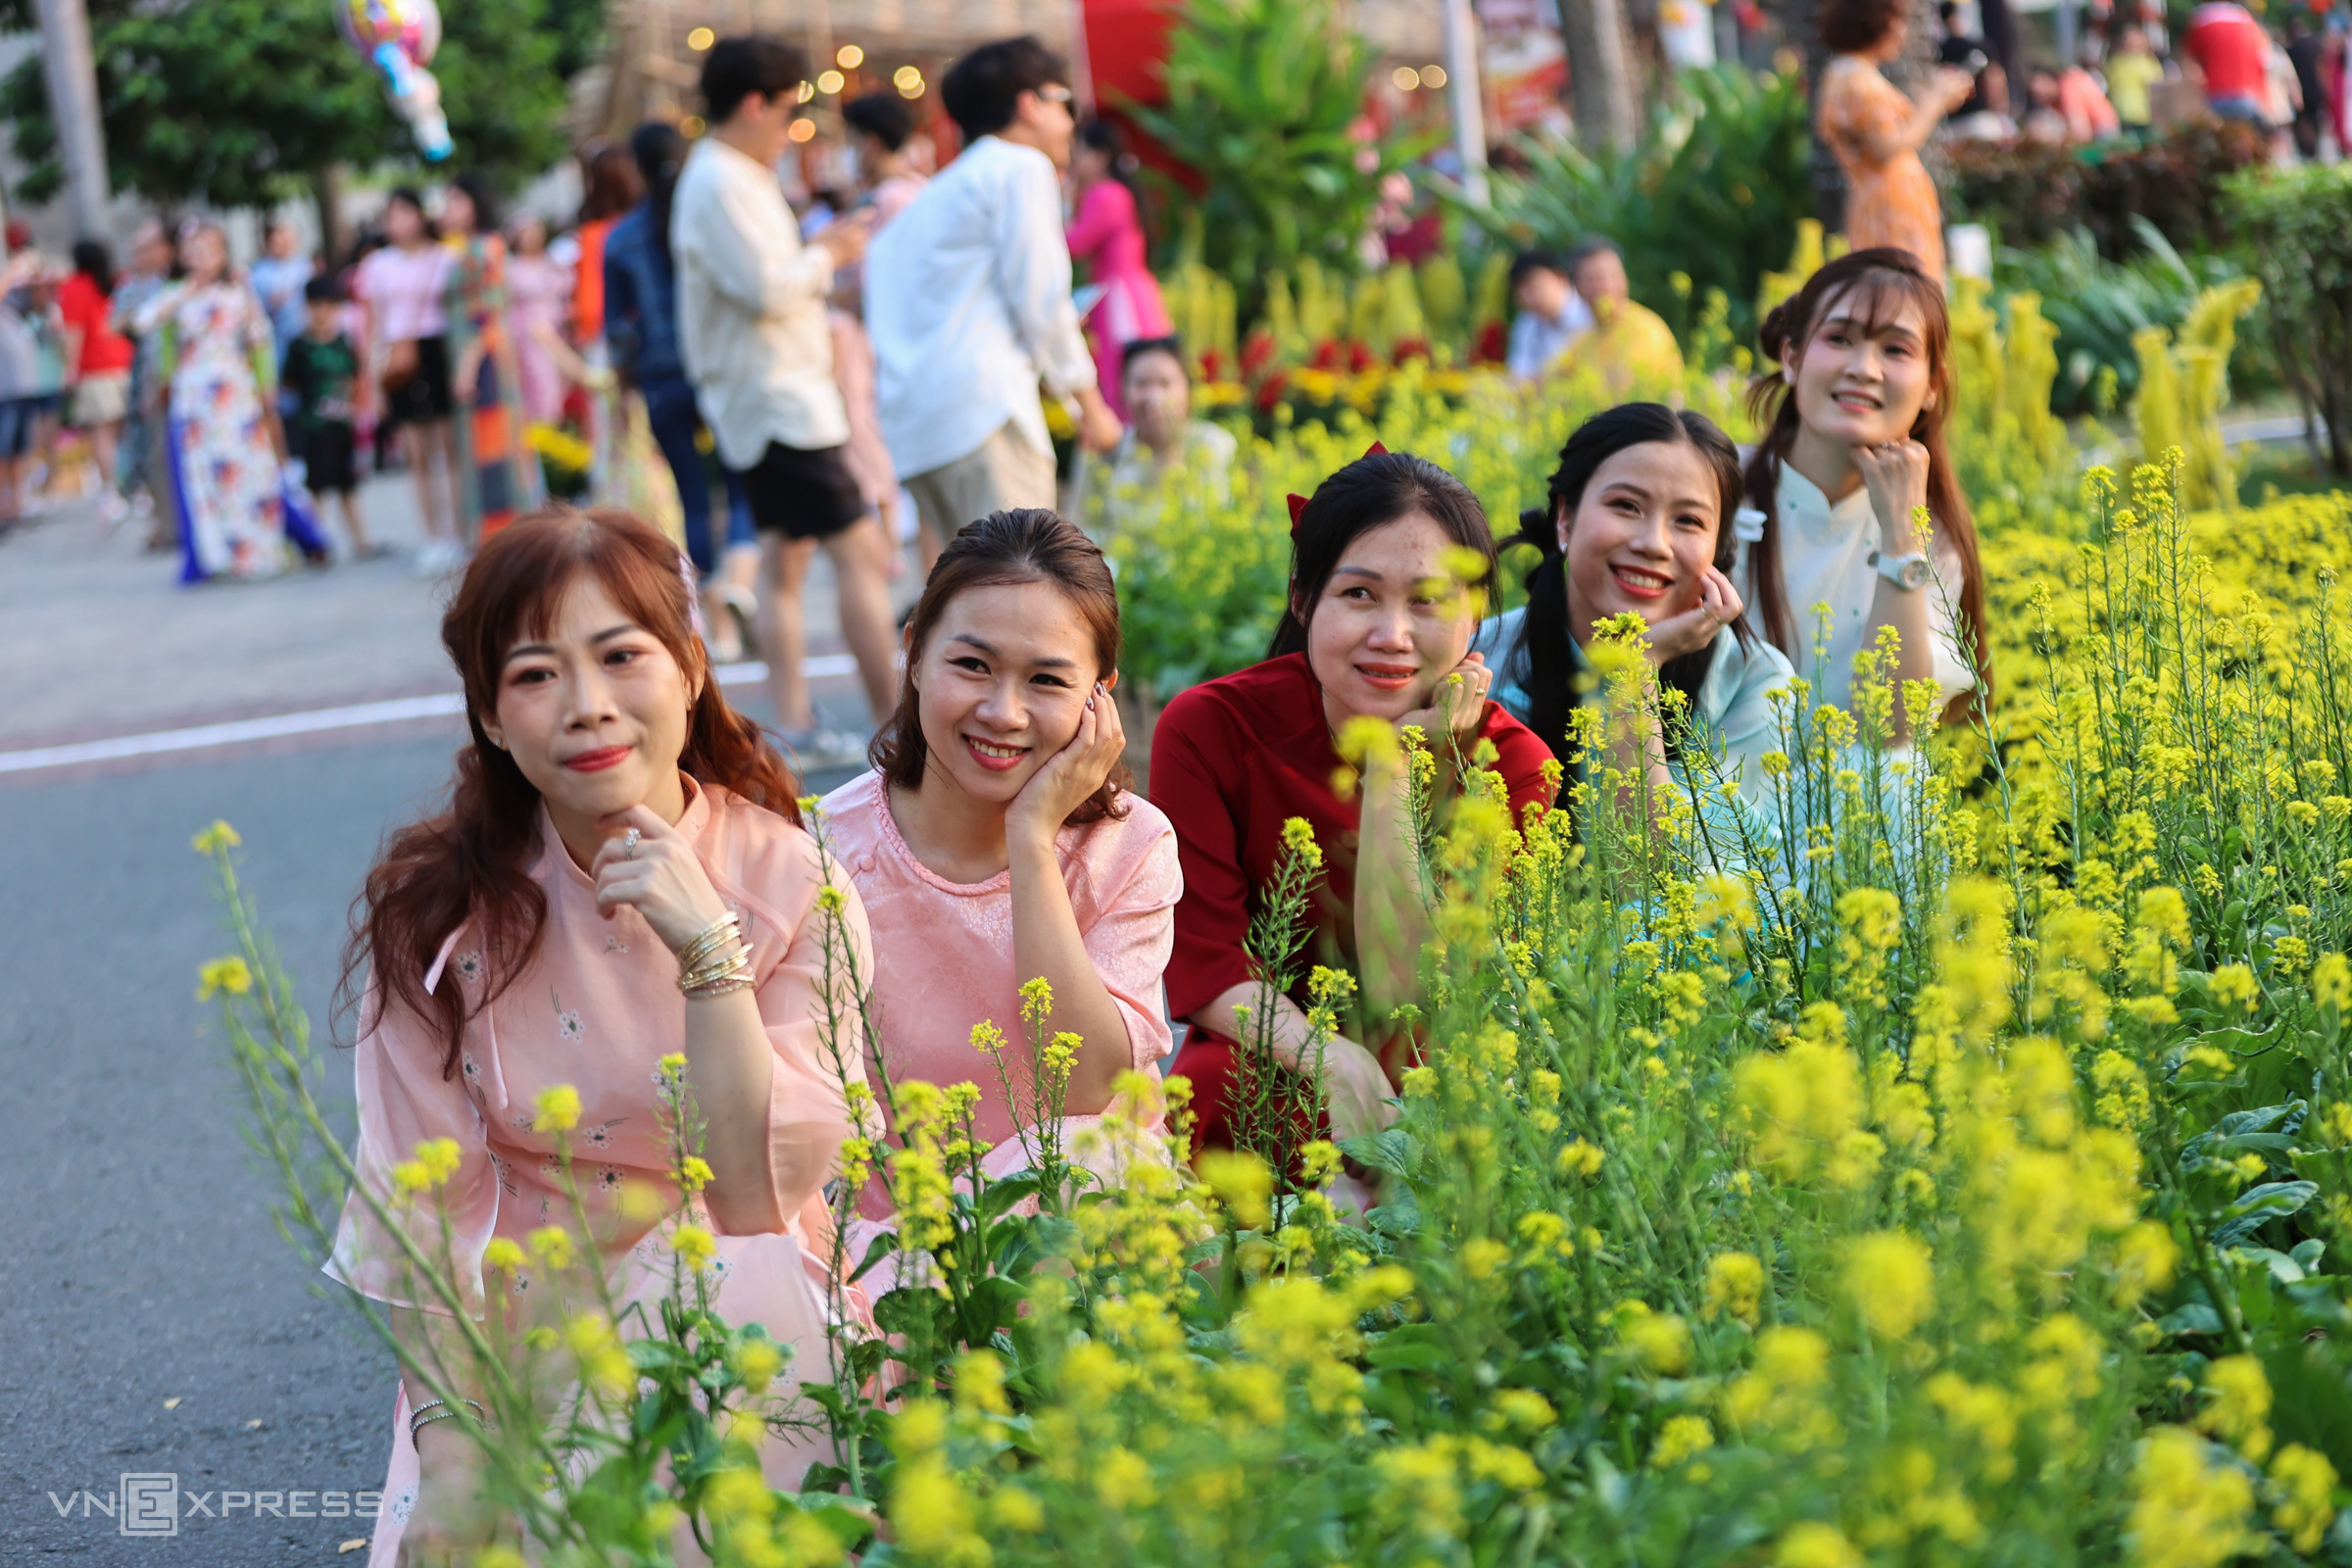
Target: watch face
x=1915, y=574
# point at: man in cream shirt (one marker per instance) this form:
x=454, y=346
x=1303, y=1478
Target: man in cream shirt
x=753, y=332
x=967, y=296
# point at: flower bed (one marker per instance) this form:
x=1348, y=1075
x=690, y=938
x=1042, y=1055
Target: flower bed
x=1931, y=1174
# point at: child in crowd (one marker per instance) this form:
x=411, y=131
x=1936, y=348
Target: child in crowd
x=997, y=840
x=321, y=375
x=1853, y=448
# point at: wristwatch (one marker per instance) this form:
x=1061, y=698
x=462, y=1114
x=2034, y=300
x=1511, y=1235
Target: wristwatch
x=1907, y=572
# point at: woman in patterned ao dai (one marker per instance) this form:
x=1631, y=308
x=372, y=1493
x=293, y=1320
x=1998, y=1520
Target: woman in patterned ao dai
x=611, y=811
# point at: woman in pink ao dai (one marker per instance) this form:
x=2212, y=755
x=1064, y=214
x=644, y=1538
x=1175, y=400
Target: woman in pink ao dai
x=996, y=842
x=609, y=819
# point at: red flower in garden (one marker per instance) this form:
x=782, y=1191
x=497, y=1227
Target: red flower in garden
x=1492, y=346
x=1326, y=357
x=1258, y=352
x=1271, y=390
x=1410, y=348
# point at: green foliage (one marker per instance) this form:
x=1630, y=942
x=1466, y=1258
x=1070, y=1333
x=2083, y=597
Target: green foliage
x=2031, y=192
x=237, y=102
x=1890, y=1177
x=1261, y=97
x=2098, y=305
x=2296, y=225
x=1713, y=192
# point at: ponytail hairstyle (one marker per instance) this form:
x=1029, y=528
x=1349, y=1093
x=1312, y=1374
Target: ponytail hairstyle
x=659, y=150
x=1021, y=545
x=1545, y=646
x=472, y=862
x=1875, y=282
x=1374, y=490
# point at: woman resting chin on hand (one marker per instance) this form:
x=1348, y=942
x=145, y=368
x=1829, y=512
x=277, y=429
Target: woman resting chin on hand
x=996, y=842
x=1377, y=628
x=1639, y=524
x=618, y=875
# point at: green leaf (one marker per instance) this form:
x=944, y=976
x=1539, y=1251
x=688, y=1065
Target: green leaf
x=2257, y=1206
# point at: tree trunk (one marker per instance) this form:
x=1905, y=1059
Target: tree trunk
x=1600, y=73
x=334, y=235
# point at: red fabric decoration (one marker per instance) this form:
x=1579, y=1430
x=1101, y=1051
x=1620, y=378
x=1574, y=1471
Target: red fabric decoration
x=1376, y=449
x=1298, y=511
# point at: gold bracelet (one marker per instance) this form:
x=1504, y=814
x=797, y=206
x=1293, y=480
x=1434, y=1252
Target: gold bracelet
x=708, y=941
x=734, y=976
x=733, y=952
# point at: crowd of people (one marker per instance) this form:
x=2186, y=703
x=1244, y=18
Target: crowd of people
x=2291, y=81
x=624, y=869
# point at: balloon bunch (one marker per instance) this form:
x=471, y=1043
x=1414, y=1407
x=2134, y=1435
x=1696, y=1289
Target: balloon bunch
x=398, y=37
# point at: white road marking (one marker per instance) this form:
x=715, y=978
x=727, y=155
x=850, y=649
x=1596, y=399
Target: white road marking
x=355, y=715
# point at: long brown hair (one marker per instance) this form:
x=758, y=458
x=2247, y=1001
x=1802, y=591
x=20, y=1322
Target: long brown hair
x=1879, y=279
x=1025, y=544
x=472, y=861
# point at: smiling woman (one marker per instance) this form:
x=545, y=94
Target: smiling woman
x=1378, y=621
x=619, y=875
x=1639, y=523
x=996, y=842
x=1852, y=452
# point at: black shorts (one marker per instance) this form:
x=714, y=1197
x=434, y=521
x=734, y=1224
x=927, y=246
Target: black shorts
x=802, y=494
x=424, y=396
x=327, y=460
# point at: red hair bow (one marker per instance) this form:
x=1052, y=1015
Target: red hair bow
x=1298, y=502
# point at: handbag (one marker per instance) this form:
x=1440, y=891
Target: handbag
x=401, y=364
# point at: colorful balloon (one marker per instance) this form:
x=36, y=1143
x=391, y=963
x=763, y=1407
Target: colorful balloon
x=398, y=37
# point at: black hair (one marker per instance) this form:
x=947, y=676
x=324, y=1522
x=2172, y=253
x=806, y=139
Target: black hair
x=756, y=63
x=1104, y=137
x=982, y=91
x=413, y=199
x=479, y=191
x=1375, y=489
x=1586, y=249
x=1137, y=348
x=1537, y=261
x=661, y=152
x=91, y=259
x=1544, y=655
x=883, y=115
x=323, y=289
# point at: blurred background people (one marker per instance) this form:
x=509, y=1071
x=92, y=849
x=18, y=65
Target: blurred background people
x=1875, y=131
x=1161, y=438
x=498, y=478
x=640, y=294
x=278, y=276
x=101, y=359
x=224, y=438
x=1630, y=344
x=1551, y=313
x=404, y=287
x=1107, y=234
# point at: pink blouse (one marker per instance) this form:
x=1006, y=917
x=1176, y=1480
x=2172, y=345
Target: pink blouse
x=597, y=1008
x=943, y=951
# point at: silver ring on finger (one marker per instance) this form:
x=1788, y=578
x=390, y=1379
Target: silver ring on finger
x=629, y=841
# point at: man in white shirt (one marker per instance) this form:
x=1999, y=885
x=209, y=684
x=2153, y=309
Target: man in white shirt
x=1552, y=315
x=757, y=345
x=967, y=296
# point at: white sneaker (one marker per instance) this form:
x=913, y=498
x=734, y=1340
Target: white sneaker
x=439, y=557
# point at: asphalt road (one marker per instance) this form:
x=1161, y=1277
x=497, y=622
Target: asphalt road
x=140, y=1266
